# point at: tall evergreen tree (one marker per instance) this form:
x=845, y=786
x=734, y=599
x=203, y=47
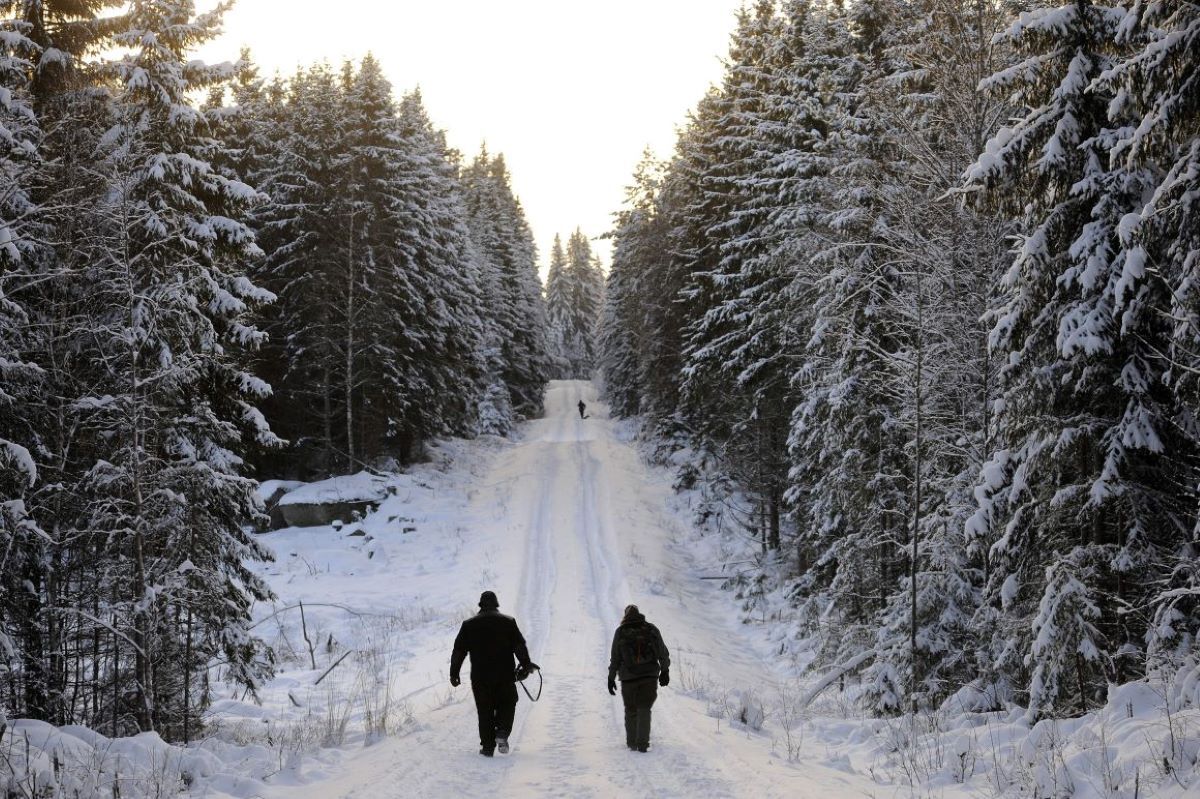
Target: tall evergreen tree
x=557, y=308
x=1092, y=474
x=505, y=244
x=21, y=539
x=581, y=284
x=637, y=249
x=179, y=407
x=1157, y=88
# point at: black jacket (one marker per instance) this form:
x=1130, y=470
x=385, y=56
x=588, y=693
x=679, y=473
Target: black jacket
x=619, y=665
x=492, y=639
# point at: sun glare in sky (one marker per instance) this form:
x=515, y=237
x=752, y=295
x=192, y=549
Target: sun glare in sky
x=571, y=92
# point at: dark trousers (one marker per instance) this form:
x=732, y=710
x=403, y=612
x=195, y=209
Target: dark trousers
x=496, y=703
x=639, y=696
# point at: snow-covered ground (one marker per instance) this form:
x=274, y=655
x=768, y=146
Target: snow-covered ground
x=568, y=525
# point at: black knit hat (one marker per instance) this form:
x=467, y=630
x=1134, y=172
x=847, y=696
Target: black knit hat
x=631, y=611
x=488, y=600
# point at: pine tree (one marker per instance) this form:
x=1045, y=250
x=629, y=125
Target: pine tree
x=435, y=247
x=1154, y=85
x=304, y=233
x=173, y=298
x=557, y=309
x=637, y=251
x=739, y=346
x=583, y=282
x=505, y=244
x=21, y=539
x=848, y=441
x=949, y=256
x=1091, y=472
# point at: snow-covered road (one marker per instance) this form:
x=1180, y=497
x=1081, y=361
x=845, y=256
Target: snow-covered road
x=569, y=526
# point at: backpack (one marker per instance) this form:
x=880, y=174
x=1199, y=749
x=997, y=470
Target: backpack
x=639, y=653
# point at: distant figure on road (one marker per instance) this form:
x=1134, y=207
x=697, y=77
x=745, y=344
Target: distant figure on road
x=492, y=639
x=642, y=661
x=582, y=409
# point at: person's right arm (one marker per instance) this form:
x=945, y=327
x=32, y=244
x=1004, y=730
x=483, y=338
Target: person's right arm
x=614, y=661
x=459, y=654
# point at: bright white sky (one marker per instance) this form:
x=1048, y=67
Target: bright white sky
x=571, y=91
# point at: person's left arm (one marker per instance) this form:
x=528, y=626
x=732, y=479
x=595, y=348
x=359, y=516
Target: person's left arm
x=520, y=649
x=664, y=655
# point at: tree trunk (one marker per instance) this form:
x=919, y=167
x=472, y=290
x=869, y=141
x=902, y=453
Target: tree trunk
x=917, y=466
x=350, y=321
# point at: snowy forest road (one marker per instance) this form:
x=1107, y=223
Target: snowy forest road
x=570, y=526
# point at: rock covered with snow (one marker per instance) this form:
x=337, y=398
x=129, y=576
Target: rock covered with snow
x=270, y=492
x=336, y=499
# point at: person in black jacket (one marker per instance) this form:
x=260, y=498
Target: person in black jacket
x=491, y=639
x=582, y=409
x=643, y=663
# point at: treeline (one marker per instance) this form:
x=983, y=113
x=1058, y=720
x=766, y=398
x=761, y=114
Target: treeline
x=294, y=272
x=919, y=287
x=574, y=300
x=408, y=300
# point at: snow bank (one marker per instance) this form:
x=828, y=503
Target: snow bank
x=40, y=760
x=1135, y=746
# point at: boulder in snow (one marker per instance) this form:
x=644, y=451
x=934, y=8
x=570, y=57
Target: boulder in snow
x=335, y=499
x=271, y=492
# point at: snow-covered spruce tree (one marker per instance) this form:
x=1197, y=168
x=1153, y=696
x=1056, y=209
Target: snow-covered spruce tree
x=517, y=308
x=304, y=233
x=435, y=248
x=702, y=177
x=851, y=467
x=1093, y=476
x=557, y=310
x=672, y=304
x=1156, y=85
x=637, y=247
x=243, y=129
x=584, y=287
x=22, y=542
x=51, y=38
x=757, y=313
x=176, y=407
x=949, y=257
x=574, y=296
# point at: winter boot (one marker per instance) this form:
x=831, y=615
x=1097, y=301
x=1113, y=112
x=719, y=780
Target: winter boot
x=485, y=752
x=502, y=745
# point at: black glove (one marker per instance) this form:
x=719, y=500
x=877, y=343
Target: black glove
x=455, y=681
x=525, y=669
x=612, y=686
x=664, y=678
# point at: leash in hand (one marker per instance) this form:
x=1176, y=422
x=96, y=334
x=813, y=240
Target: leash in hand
x=522, y=674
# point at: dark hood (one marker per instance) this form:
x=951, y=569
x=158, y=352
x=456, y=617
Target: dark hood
x=633, y=619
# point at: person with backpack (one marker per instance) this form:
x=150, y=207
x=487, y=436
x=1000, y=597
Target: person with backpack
x=491, y=639
x=640, y=658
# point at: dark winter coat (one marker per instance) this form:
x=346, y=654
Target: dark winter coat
x=620, y=664
x=492, y=639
